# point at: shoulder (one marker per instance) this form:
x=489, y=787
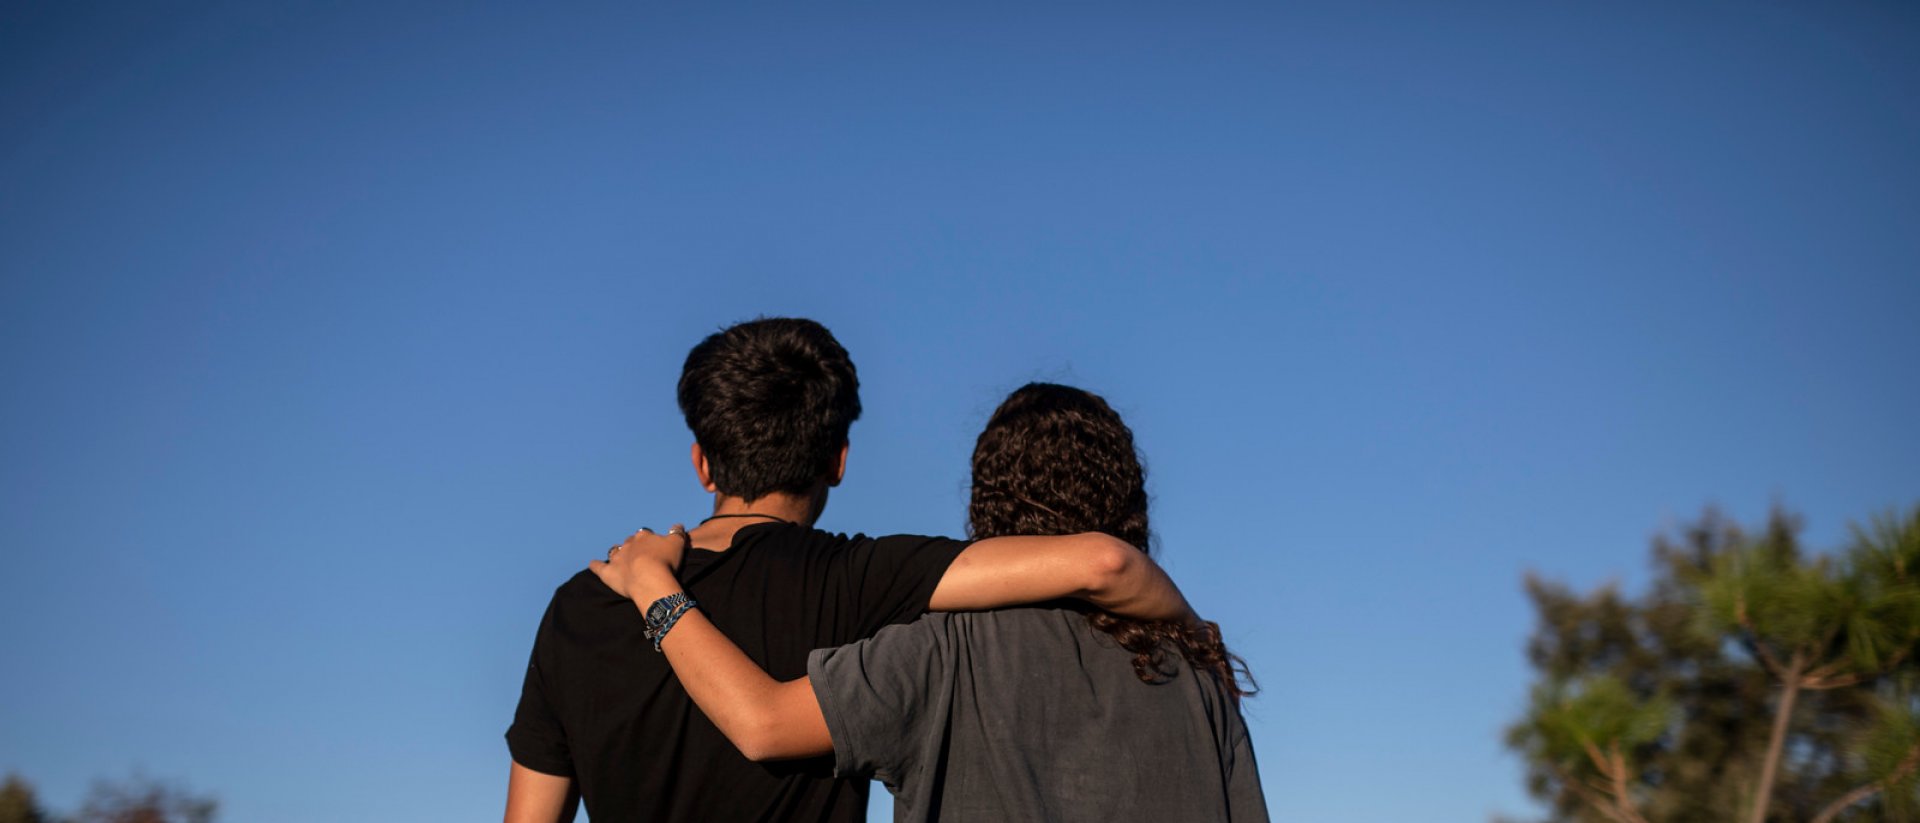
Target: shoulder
x=916, y=642
x=770, y=548
x=583, y=587
x=1032, y=636
x=797, y=540
x=787, y=537
x=902, y=665
x=582, y=603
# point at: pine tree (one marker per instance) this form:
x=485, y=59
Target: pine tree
x=1751, y=682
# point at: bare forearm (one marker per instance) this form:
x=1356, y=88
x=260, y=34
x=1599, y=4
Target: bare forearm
x=537, y=797
x=1097, y=568
x=765, y=718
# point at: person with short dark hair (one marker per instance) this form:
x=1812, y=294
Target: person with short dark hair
x=770, y=404
x=601, y=717
x=1055, y=713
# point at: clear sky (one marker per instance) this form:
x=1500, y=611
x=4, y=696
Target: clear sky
x=334, y=336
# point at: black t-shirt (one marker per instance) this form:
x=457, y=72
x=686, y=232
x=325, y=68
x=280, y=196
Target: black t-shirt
x=601, y=706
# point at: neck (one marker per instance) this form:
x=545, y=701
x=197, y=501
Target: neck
x=735, y=513
x=794, y=508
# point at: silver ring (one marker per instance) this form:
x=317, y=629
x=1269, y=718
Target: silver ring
x=677, y=530
x=612, y=550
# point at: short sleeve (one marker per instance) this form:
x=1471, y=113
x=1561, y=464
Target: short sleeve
x=536, y=738
x=894, y=577
x=886, y=700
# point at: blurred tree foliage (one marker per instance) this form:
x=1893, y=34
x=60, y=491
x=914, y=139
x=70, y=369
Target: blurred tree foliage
x=140, y=800
x=18, y=804
x=136, y=800
x=1751, y=682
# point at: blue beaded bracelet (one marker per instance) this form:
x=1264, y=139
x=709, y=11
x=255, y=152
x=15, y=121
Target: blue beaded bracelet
x=666, y=625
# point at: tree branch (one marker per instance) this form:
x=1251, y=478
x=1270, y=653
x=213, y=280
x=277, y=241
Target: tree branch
x=1825, y=683
x=1776, y=743
x=1754, y=642
x=1833, y=810
x=1594, y=754
x=1827, y=669
x=1622, y=802
x=1585, y=794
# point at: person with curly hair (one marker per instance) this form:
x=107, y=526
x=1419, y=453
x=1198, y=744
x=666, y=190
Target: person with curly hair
x=1057, y=712
x=602, y=721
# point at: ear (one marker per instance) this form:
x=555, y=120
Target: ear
x=706, y=474
x=840, y=466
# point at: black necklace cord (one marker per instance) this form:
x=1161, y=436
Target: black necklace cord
x=747, y=514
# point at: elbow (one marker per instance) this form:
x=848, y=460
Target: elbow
x=757, y=738
x=758, y=753
x=757, y=750
x=1111, y=563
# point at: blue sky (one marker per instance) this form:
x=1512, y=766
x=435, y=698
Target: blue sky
x=337, y=335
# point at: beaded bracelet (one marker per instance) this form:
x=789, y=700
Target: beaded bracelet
x=663, y=614
x=678, y=612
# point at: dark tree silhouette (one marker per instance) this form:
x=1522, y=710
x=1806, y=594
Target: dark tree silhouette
x=1752, y=682
x=140, y=800
x=18, y=804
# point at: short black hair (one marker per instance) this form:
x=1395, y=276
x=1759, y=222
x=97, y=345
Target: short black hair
x=770, y=402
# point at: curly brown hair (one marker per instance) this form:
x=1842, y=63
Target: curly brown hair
x=1058, y=460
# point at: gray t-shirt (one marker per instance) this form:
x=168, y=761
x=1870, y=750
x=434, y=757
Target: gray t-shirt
x=1031, y=714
